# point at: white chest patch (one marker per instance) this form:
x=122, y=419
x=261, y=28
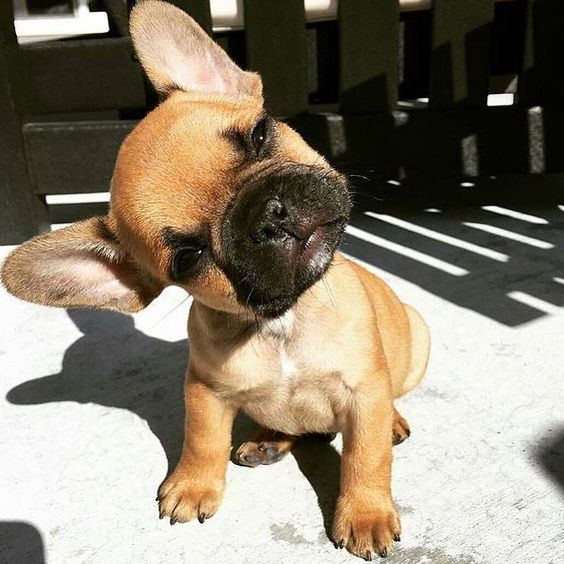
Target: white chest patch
x=280, y=327
x=288, y=365
x=279, y=331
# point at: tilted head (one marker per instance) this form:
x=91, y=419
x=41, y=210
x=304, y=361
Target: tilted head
x=209, y=193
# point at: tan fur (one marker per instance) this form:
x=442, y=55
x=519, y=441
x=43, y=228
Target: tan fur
x=332, y=363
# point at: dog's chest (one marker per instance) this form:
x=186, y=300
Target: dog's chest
x=293, y=387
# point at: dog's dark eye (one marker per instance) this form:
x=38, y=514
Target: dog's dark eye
x=184, y=260
x=259, y=135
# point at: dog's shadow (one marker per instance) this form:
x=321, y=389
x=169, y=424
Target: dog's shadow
x=320, y=463
x=115, y=365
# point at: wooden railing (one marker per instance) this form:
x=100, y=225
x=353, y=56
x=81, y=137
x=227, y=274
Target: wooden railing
x=348, y=85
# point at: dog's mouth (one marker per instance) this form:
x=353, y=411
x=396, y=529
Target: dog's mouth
x=280, y=235
x=309, y=260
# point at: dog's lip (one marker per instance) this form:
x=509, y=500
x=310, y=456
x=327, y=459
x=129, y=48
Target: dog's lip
x=326, y=226
x=317, y=239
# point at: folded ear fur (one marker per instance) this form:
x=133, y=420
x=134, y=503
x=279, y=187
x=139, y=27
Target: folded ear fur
x=176, y=53
x=83, y=265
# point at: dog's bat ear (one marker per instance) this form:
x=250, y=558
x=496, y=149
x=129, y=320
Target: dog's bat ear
x=83, y=265
x=177, y=54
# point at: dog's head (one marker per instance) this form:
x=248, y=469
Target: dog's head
x=209, y=193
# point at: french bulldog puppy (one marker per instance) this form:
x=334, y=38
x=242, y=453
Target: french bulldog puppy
x=214, y=195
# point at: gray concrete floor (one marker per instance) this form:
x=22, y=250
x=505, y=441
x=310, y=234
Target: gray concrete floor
x=91, y=416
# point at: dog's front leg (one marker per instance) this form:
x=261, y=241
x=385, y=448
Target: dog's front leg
x=365, y=518
x=196, y=486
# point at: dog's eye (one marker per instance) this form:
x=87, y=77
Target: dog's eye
x=184, y=260
x=259, y=135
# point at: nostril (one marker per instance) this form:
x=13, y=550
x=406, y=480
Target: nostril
x=281, y=212
x=269, y=226
x=268, y=233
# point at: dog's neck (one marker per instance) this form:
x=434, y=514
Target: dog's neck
x=235, y=326
x=232, y=327
x=280, y=328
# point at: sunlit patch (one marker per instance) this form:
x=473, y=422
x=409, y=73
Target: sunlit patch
x=526, y=240
x=503, y=99
x=87, y=198
x=561, y=207
x=515, y=214
x=558, y=280
x=534, y=302
x=441, y=237
x=433, y=210
x=57, y=226
x=407, y=252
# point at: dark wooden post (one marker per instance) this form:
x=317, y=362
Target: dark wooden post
x=461, y=53
x=368, y=51
x=541, y=83
x=22, y=213
x=276, y=43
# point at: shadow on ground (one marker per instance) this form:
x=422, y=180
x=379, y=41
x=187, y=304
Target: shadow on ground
x=320, y=463
x=20, y=543
x=115, y=365
x=497, y=255
x=550, y=454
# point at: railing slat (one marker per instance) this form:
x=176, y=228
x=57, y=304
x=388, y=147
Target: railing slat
x=74, y=157
x=460, y=52
x=118, y=11
x=67, y=213
x=77, y=75
x=369, y=51
x=277, y=48
x=542, y=79
x=22, y=214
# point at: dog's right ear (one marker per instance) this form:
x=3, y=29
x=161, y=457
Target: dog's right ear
x=177, y=54
x=83, y=265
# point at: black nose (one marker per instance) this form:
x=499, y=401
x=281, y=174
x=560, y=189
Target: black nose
x=278, y=221
x=268, y=224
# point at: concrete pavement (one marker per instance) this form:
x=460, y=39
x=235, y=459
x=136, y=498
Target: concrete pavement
x=91, y=417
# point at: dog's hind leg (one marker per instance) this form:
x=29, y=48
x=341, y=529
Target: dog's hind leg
x=400, y=430
x=268, y=447
x=265, y=447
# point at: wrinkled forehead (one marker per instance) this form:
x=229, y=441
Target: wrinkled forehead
x=176, y=167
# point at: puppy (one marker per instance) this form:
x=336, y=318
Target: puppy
x=212, y=194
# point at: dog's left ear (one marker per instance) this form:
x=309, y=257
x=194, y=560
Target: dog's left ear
x=83, y=265
x=177, y=54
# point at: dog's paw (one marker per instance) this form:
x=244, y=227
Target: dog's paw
x=254, y=453
x=183, y=497
x=365, y=529
x=401, y=430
